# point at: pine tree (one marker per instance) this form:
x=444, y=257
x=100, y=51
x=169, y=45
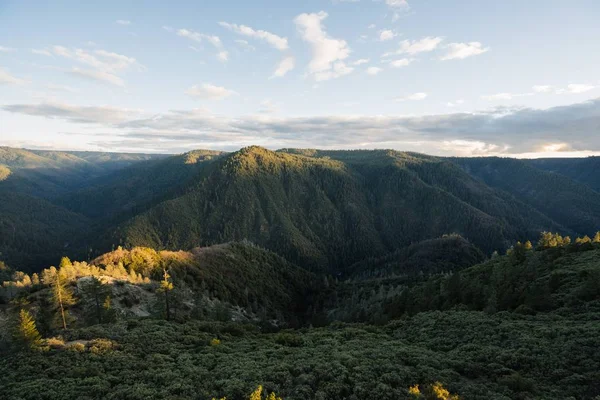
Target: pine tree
x=27, y=334
x=95, y=294
x=166, y=286
x=62, y=296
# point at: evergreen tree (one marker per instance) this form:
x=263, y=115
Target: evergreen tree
x=27, y=334
x=166, y=286
x=95, y=295
x=62, y=296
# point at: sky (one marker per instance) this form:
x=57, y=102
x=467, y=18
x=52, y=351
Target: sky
x=466, y=78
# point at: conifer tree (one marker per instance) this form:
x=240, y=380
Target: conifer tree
x=62, y=296
x=96, y=294
x=27, y=334
x=166, y=286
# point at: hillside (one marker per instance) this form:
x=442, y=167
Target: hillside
x=571, y=204
x=332, y=209
x=582, y=170
x=540, y=308
x=50, y=173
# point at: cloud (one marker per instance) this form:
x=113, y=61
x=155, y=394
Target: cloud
x=42, y=52
x=374, y=70
x=328, y=54
x=8, y=79
x=268, y=107
x=277, y=42
x=209, y=92
x=455, y=103
x=386, y=34
x=285, y=65
x=361, y=61
x=97, y=76
x=398, y=4
x=412, y=97
x=223, y=56
x=579, y=88
x=199, y=37
x=461, y=51
x=61, y=88
x=73, y=113
x=542, y=88
x=7, y=49
x=245, y=45
x=403, y=62
x=123, y=22
x=423, y=45
x=501, y=131
x=506, y=96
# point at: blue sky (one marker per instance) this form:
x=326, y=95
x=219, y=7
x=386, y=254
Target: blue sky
x=517, y=78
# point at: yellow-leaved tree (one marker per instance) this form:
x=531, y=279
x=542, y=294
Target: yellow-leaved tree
x=435, y=391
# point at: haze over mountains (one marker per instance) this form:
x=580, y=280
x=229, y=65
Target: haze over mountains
x=323, y=210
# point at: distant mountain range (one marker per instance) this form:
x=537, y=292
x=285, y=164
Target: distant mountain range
x=322, y=210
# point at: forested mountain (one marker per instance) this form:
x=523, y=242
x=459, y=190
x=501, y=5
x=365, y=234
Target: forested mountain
x=571, y=204
x=331, y=209
x=323, y=210
x=583, y=170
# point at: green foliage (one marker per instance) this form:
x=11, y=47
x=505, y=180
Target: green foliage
x=26, y=333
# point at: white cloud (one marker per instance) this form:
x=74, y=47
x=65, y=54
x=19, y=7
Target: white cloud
x=199, y=37
x=403, y=62
x=42, y=52
x=423, y=45
x=374, y=70
x=98, y=76
x=576, y=88
x=455, y=103
x=401, y=4
x=372, y=26
x=8, y=79
x=361, y=61
x=123, y=22
x=81, y=114
x=223, y=56
x=463, y=50
x=209, y=92
x=268, y=107
x=7, y=49
x=61, y=88
x=327, y=53
x=284, y=66
x=542, y=88
x=245, y=45
x=386, y=34
x=278, y=42
x=506, y=131
x=505, y=96
x=99, y=59
x=412, y=97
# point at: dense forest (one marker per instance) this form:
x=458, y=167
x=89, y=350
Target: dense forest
x=297, y=274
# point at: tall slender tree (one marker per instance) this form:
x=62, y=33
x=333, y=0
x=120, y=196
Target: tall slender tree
x=166, y=286
x=62, y=296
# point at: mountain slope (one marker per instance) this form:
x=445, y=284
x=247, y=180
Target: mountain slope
x=35, y=232
x=582, y=170
x=50, y=173
x=571, y=204
x=331, y=209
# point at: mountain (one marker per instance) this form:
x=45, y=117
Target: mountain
x=571, y=204
x=35, y=229
x=50, y=173
x=323, y=210
x=330, y=209
x=582, y=170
